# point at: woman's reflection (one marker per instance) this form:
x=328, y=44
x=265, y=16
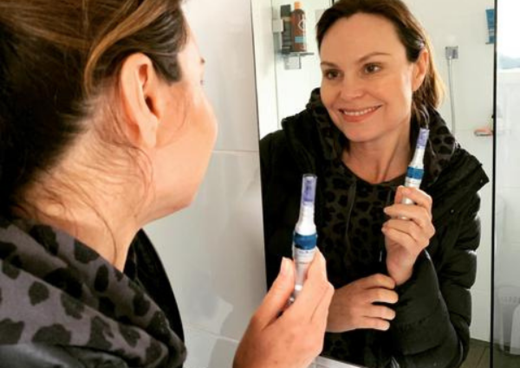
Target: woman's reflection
x=402, y=273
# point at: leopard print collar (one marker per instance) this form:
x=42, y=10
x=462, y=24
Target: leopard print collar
x=439, y=150
x=55, y=290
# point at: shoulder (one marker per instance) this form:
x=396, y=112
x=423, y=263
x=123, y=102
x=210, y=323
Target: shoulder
x=460, y=180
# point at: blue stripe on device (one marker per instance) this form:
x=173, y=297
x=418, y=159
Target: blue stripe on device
x=414, y=173
x=305, y=242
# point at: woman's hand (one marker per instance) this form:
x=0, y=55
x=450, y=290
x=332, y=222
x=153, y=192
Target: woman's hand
x=407, y=233
x=353, y=306
x=295, y=338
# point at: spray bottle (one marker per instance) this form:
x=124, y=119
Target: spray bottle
x=305, y=237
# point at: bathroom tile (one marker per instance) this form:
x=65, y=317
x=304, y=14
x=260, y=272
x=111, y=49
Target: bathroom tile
x=511, y=213
x=206, y=350
x=213, y=251
x=481, y=314
x=507, y=259
x=507, y=158
x=230, y=76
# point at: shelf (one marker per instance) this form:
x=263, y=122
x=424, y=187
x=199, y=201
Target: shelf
x=297, y=53
x=293, y=60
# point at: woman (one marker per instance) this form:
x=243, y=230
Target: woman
x=402, y=273
x=104, y=127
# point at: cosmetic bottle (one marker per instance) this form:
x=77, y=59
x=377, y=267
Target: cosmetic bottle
x=299, y=41
x=285, y=14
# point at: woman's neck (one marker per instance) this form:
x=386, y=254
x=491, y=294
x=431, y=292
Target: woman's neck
x=381, y=161
x=109, y=235
x=103, y=214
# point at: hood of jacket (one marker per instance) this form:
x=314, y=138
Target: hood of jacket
x=55, y=290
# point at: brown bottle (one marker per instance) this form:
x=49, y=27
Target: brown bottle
x=299, y=41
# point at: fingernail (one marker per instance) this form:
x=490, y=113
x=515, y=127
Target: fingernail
x=284, y=268
x=406, y=191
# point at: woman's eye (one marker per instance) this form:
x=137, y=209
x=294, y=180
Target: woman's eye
x=371, y=68
x=331, y=74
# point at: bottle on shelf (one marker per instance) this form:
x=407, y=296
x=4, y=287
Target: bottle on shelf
x=299, y=41
x=285, y=14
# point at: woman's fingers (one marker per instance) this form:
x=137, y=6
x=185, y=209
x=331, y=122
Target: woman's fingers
x=380, y=311
x=376, y=281
x=276, y=299
x=417, y=233
x=317, y=291
x=404, y=239
x=420, y=215
x=381, y=295
x=374, y=324
x=418, y=196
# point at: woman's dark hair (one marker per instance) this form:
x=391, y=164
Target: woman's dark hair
x=411, y=34
x=55, y=57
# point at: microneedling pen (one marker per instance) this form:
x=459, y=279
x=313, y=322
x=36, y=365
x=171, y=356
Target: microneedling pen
x=415, y=171
x=305, y=237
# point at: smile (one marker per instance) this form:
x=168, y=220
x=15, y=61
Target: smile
x=359, y=112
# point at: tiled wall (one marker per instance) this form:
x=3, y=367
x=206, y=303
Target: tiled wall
x=213, y=251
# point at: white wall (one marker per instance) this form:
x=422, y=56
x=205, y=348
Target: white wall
x=213, y=251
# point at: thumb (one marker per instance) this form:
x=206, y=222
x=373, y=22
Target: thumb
x=399, y=195
x=276, y=299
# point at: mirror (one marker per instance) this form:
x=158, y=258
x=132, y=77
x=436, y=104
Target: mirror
x=349, y=205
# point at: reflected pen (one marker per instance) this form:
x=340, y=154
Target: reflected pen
x=415, y=171
x=414, y=175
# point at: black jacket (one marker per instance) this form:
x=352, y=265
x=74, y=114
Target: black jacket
x=434, y=309
x=92, y=315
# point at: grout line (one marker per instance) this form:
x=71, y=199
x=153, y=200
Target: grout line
x=212, y=334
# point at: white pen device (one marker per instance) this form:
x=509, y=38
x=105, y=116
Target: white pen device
x=415, y=171
x=305, y=237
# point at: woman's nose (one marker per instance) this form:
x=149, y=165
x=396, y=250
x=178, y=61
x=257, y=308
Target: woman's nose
x=351, y=88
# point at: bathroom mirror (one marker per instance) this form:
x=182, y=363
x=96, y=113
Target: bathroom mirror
x=462, y=36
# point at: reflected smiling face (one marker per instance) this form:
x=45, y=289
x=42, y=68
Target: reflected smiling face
x=367, y=80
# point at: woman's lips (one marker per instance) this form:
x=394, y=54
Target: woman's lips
x=356, y=115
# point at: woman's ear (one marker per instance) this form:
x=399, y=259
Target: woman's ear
x=142, y=100
x=420, y=69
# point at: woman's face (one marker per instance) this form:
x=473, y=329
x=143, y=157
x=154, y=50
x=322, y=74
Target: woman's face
x=367, y=81
x=186, y=138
